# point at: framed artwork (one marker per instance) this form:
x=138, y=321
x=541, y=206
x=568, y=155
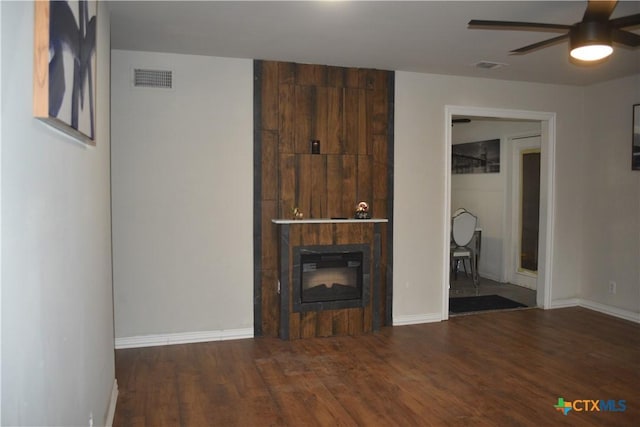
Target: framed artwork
x=635, y=139
x=476, y=157
x=64, y=76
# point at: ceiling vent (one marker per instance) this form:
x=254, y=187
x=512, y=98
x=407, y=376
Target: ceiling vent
x=488, y=65
x=159, y=79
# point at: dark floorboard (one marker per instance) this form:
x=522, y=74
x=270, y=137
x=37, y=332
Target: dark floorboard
x=490, y=369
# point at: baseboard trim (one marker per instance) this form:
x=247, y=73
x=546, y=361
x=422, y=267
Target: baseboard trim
x=490, y=276
x=596, y=306
x=612, y=311
x=111, y=412
x=564, y=303
x=183, y=338
x=416, y=319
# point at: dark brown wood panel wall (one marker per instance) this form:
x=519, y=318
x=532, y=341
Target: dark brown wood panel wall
x=350, y=112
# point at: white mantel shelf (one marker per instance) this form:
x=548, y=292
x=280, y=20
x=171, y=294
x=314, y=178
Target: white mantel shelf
x=326, y=221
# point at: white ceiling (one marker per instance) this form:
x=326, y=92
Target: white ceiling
x=421, y=36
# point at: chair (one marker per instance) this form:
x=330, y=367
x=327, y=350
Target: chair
x=458, y=211
x=463, y=226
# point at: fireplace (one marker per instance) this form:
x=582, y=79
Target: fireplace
x=330, y=277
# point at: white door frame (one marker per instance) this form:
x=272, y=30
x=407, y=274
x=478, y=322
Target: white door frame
x=547, y=186
x=0, y=210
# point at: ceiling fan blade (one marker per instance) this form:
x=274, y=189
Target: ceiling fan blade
x=599, y=10
x=625, y=37
x=511, y=25
x=539, y=45
x=625, y=21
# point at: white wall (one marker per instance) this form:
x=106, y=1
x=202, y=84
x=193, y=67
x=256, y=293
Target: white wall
x=0, y=215
x=57, y=318
x=611, y=206
x=419, y=179
x=484, y=194
x=182, y=196
x=176, y=209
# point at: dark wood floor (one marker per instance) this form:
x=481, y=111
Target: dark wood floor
x=501, y=368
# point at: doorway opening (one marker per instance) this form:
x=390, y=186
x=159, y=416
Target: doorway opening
x=504, y=228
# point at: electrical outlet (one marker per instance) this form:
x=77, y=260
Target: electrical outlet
x=612, y=287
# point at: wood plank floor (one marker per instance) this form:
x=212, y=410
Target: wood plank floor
x=500, y=368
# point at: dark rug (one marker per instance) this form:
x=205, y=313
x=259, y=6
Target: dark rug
x=481, y=303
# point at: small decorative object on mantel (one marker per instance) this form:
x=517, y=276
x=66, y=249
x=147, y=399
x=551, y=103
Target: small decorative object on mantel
x=297, y=213
x=315, y=146
x=362, y=211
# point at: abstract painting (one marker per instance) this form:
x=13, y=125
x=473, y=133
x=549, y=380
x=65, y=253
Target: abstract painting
x=635, y=144
x=476, y=157
x=65, y=66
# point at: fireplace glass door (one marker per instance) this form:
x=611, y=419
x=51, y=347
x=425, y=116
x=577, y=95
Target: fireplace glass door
x=330, y=277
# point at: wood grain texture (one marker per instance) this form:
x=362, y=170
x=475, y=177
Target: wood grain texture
x=305, y=100
x=378, y=103
x=349, y=185
x=354, y=124
x=334, y=187
x=269, y=95
x=338, y=107
x=335, y=76
x=286, y=73
x=364, y=180
x=308, y=324
x=324, y=325
x=355, y=78
x=335, y=126
x=501, y=368
x=379, y=167
x=269, y=165
x=270, y=302
x=287, y=110
x=304, y=183
x=319, y=119
x=268, y=321
x=41, y=59
x=287, y=183
x=311, y=74
x=318, y=184
x=269, y=234
x=325, y=234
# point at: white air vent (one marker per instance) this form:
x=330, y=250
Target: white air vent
x=160, y=79
x=488, y=65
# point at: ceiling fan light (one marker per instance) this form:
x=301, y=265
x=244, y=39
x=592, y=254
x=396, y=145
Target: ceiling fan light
x=592, y=52
x=590, y=41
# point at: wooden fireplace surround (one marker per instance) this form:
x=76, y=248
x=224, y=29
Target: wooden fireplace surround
x=296, y=324
x=350, y=112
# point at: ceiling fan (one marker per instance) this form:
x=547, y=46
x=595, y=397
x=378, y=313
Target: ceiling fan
x=589, y=40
